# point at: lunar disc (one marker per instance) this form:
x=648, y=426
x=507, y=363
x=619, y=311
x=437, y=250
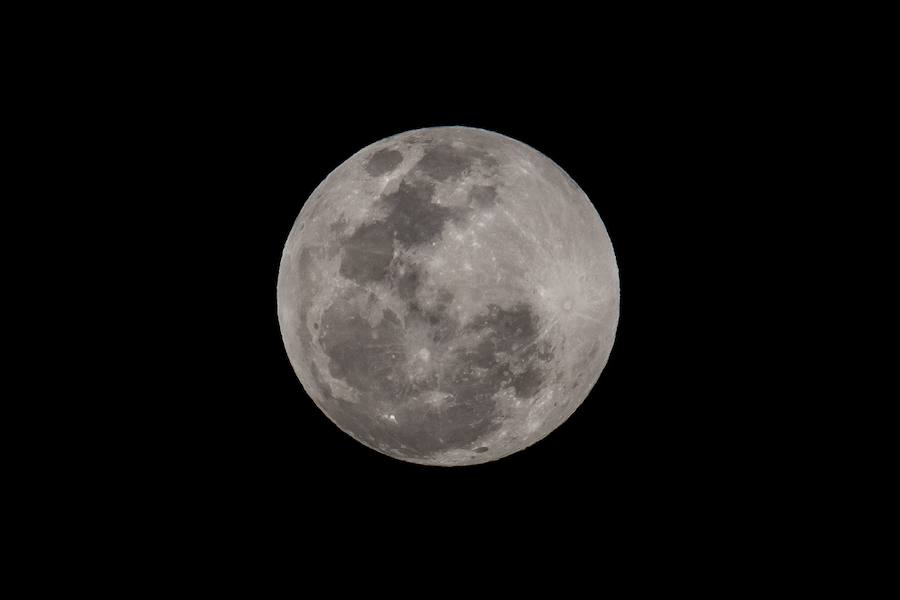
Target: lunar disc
x=448, y=296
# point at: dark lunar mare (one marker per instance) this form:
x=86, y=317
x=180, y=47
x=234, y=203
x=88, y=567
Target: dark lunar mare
x=303, y=268
x=412, y=220
x=362, y=355
x=372, y=360
x=444, y=161
x=513, y=334
x=483, y=196
x=383, y=161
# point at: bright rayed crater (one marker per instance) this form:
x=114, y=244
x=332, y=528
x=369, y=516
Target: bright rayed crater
x=448, y=296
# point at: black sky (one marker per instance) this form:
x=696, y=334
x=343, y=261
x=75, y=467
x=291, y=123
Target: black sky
x=650, y=149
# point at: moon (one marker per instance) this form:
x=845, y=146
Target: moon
x=448, y=296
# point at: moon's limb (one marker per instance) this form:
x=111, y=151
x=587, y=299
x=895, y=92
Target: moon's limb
x=448, y=296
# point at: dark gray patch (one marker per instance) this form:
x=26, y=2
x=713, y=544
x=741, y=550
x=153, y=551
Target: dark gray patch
x=418, y=138
x=510, y=332
x=544, y=352
x=440, y=324
x=383, y=161
x=537, y=356
x=514, y=327
x=455, y=425
x=339, y=227
x=368, y=253
x=483, y=196
x=408, y=283
x=482, y=355
x=413, y=218
x=319, y=389
x=443, y=161
x=529, y=383
x=444, y=298
x=358, y=357
x=375, y=366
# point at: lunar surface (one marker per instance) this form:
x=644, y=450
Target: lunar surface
x=448, y=296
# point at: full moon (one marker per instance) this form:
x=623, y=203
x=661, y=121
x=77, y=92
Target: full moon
x=448, y=296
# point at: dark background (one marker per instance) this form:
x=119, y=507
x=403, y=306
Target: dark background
x=191, y=142
x=665, y=435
